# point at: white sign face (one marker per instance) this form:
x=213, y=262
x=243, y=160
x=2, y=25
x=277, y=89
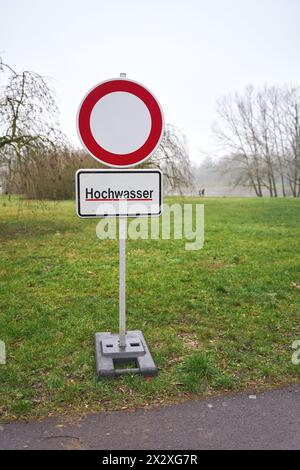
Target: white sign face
x=120, y=122
x=115, y=193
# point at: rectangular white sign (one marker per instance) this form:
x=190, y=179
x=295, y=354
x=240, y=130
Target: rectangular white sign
x=115, y=193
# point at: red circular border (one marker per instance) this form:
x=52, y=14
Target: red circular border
x=90, y=143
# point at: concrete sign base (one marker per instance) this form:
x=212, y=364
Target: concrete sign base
x=111, y=359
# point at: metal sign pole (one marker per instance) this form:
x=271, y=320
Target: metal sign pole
x=122, y=281
x=122, y=274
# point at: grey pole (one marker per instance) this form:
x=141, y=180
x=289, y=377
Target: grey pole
x=122, y=280
x=122, y=274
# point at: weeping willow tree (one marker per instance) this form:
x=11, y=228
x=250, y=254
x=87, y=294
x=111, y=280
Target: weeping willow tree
x=172, y=157
x=28, y=119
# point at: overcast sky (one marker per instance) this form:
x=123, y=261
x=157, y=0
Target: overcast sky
x=188, y=52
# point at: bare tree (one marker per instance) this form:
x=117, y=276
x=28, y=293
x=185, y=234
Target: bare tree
x=235, y=131
x=260, y=132
x=275, y=100
x=28, y=118
x=291, y=127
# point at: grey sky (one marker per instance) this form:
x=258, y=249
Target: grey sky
x=187, y=52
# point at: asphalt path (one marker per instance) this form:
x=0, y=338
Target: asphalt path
x=267, y=420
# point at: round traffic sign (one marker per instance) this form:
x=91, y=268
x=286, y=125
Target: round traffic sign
x=120, y=122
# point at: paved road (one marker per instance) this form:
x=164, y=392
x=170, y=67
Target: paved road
x=269, y=420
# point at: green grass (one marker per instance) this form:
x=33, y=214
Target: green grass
x=221, y=318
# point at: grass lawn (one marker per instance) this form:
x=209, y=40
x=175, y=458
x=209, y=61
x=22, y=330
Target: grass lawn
x=218, y=319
